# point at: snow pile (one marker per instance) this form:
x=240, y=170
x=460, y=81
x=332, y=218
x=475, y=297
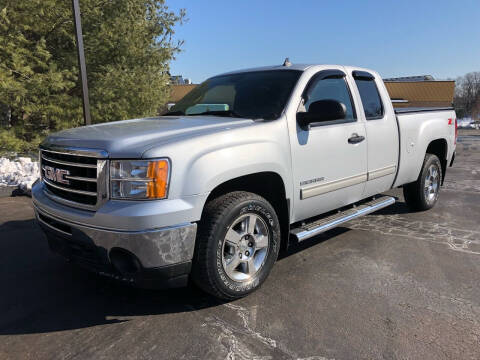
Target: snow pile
x=21, y=172
x=467, y=123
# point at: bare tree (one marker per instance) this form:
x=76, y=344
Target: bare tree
x=467, y=95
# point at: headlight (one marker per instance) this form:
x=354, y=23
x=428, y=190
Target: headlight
x=139, y=179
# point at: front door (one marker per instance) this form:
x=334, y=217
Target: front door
x=329, y=161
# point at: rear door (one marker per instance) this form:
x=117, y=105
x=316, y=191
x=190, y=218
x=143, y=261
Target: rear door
x=329, y=169
x=381, y=129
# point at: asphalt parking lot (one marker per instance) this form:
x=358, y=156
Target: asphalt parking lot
x=390, y=285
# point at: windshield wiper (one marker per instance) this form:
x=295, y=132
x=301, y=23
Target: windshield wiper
x=174, y=113
x=229, y=113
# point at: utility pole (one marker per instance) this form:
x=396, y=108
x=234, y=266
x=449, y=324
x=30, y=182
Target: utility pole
x=81, y=60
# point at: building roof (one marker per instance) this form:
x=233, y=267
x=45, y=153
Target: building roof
x=411, y=78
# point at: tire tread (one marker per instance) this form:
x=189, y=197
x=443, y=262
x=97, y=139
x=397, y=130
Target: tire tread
x=413, y=192
x=211, y=217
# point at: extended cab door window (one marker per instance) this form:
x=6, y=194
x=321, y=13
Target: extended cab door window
x=372, y=104
x=382, y=134
x=331, y=88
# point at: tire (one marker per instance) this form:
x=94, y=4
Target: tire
x=236, y=227
x=423, y=193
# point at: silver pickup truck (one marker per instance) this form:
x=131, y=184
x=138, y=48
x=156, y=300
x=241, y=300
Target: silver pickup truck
x=244, y=164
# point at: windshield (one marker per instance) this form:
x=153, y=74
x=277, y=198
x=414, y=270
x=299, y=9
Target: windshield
x=253, y=95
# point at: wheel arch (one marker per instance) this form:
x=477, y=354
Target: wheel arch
x=439, y=147
x=267, y=184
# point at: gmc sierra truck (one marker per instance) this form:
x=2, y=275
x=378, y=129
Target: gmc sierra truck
x=245, y=163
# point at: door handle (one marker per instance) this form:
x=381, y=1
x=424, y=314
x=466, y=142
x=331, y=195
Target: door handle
x=355, y=139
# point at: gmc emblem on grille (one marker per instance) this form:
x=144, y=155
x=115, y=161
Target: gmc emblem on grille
x=56, y=175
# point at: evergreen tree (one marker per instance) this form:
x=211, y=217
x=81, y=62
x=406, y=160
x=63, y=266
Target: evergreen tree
x=128, y=47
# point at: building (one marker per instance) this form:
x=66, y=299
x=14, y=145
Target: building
x=420, y=91
x=179, y=91
x=179, y=80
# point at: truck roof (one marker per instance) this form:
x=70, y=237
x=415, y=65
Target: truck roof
x=301, y=67
x=298, y=67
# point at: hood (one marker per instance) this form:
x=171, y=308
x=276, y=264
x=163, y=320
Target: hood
x=130, y=138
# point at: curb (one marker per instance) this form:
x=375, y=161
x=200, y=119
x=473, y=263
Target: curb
x=12, y=191
x=7, y=191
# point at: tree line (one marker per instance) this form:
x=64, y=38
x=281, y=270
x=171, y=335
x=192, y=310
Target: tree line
x=467, y=96
x=128, y=48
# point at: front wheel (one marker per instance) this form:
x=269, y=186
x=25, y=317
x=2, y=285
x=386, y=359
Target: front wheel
x=423, y=193
x=237, y=244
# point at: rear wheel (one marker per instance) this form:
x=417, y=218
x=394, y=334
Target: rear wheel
x=423, y=193
x=237, y=245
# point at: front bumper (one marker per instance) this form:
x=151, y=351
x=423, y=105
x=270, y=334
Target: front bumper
x=159, y=257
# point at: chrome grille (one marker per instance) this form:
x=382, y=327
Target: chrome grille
x=75, y=177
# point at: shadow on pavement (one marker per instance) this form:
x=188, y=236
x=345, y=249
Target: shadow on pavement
x=40, y=292
x=295, y=247
x=396, y=209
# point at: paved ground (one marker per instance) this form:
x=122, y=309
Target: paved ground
x=391, y=285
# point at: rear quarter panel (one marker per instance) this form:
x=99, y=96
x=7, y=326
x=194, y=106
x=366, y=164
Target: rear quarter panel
x=417, y=131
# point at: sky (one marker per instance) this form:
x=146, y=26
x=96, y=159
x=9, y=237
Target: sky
x=395, y=38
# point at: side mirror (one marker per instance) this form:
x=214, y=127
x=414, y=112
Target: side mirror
x=320, y=111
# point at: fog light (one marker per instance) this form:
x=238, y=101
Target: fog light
x=125, y=262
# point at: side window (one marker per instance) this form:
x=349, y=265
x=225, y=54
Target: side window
x=372, y=104
x=332, y=89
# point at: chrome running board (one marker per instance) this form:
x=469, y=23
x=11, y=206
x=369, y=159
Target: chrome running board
x=308, y=230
